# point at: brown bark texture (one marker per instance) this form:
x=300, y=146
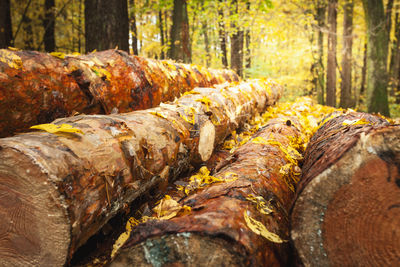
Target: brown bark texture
x=58, y=189
x=346, y=98
x=38, y=87
x=347, y=207
x=331, y=64
x=236, y=217
x=106, y=25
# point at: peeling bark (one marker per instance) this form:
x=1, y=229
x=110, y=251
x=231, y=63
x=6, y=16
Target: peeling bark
x=349, y=194
x=38, y=88
x=57, y=190
x=253, y=183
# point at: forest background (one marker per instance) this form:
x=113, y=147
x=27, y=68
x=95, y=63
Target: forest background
x=342, y=53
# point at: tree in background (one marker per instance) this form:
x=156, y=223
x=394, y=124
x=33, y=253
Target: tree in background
x=5, y=24
x=346, y=99
x=237, y=39
x=248, y=41
x=331, y=66
x=180, y=48
x=222, y=33
x=320, y=15
x=377, y=98
x=133, y=28
x=48, y=24
x=106, y=24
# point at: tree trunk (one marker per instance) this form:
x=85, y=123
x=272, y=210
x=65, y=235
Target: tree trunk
x=106, y=25
x=5, y=24
x=48, y=24
x=161, y=26
x=349, y=187
x=222, y=33
x=363, y=72
x=204, y=26
x=252, y=187
x=388, y=15
x=248, y=42
x=331, y=66
x=237, y=39
x=321, y=11
x=101, y=82
x=395, y=58
x=180, y=39
x=377, y=99
x=66, y=185
x=346, y=99
x=132, y=21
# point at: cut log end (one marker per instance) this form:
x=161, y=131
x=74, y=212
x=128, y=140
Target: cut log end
x=183, y=249
x=356, y=221
x=206, y=140
x=29, y=210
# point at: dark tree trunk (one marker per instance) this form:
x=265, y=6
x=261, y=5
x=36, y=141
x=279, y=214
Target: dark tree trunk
x=321, y=15
x=349, y=186
x=161, y=27
x=222, y=33
x=331, y=66
x=206, y=43
x=106, y=25
x=132, y=22
x=377, y=99
x=346, y=99
x=388, y=15
x=248, y=41
x=5, y=24
x=180, y=39
x=363, y=72
x=237, y=40
x=80, y=26
x=395, y=57
x=48, y=24
x=28, y=33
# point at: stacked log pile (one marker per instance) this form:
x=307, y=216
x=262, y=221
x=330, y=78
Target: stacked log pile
x=38, y=87
x=347, y=211
x=238, y=216
x=60, y=185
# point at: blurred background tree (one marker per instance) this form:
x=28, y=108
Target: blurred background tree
x=344, y=53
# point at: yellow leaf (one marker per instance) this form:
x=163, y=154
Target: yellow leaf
x=11, y=59
x=119, y=243
x=355, y=122
x=262, y=205
x=58, y=54
x=13, y=48
x=206, y=101
x=53, y=128
x=167, y=208
x=259, y=228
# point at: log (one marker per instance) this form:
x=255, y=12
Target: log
x=39, y=87
x=236, y=217
x=58, y=189
x=347, y=208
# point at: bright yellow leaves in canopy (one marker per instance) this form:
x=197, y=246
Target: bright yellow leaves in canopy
x=53, y=128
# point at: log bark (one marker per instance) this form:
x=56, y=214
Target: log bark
x=59, y=189
x=347, y=207
x=38, y=88
x=253, y=186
